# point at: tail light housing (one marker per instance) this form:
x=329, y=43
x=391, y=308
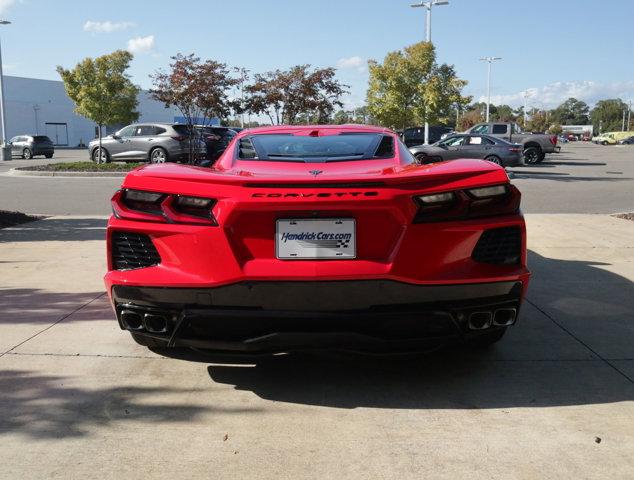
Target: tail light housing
x=179, y=138
x=160, y=207
x=478, y=202
x=553, y=139
x=515, y=149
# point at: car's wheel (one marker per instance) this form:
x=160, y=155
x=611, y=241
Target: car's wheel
x=487, y=339
x=148, y=341
x=422, y=158
x=103, y=158
x=27, y=154
x=604, y=142
x=49, y=155
x=531, y=155
x=542, y=156
x=158, y=155
x=494, y=159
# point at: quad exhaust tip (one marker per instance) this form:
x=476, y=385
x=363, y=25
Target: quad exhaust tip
x=480, y=320
x=131, y=320
x=504, y=317
x=155, y=323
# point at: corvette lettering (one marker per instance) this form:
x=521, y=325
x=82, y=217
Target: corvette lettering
x=318, y=195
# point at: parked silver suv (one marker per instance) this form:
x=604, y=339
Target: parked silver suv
x=28, y=146
x=143, y=142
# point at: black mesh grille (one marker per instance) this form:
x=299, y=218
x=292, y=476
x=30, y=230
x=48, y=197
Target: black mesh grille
x=133, y=250
x=499, y=246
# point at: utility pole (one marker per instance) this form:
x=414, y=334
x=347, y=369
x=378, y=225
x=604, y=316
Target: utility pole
x=428, y=5
x=629, y=115
x=623, y=124
x=489, y=61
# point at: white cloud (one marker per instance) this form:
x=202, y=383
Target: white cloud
x=356, y=63
x=551, y=95
x=141, y=44
x=107, y=26
x=4, y=5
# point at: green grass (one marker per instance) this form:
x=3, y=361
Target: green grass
x=84, y=167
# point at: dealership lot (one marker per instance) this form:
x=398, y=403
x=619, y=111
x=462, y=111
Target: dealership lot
x=553, y=399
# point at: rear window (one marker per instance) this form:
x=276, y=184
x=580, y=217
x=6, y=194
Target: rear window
x=181, y=129
x=41, y=138
x=309, y=149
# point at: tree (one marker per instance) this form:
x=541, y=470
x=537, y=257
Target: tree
x=555, y=129
x=287, y=96
x=102, y=90
x=504, y=113
x=198, y=89
x=571, y=112
x=607, y=115
x=409, y=88
x=469, y=119
x=341, y=117
x=539, y=121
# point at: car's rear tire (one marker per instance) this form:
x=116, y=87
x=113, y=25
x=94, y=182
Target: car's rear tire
x=487, y=339
x=494, y=159
x=148, y=341
x=49, y=155
x=27, y=154
x=422, y=158
x=105, y=157
x=158, y=155
x=604, y=143
x=531, y=155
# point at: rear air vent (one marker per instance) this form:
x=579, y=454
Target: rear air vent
x=133, y=250
x=500, y=246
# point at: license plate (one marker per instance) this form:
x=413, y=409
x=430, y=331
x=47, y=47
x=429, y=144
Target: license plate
x=316, y=238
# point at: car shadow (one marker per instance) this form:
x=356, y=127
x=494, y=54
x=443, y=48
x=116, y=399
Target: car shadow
x=547, y=360
x=56, y=229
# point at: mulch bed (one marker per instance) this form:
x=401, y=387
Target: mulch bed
x=10, y=219
x=626, y=216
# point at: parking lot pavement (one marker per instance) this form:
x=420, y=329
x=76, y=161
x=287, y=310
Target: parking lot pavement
x=584, y=178
x=554, y=399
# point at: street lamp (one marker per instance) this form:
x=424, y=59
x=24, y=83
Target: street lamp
x=489, y=60
x=526, y=94
x=428, y=5
x=5, y=151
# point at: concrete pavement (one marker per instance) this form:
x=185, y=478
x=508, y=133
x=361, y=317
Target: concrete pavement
x=79, y=399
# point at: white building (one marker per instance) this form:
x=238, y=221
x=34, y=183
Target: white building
x=578, y=130
x=41, y=107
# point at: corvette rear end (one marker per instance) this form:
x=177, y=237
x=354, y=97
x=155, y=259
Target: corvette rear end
x=306, y=237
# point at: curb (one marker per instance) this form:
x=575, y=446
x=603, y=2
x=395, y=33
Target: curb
x=19, y=172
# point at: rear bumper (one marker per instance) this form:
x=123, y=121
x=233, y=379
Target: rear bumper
x=282, y=316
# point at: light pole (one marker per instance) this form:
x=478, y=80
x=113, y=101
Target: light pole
x=5, y=151
x=526, y=95
x=489, y=60
x=428, y=5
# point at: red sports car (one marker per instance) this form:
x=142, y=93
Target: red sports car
x=316, y=236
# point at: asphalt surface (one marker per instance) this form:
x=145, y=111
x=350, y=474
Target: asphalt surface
x=583, y=178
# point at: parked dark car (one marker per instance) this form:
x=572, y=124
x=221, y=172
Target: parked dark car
x=29, y=146
x=216, y=139
x=416, y=135
x=627, y=141
x=484, y=147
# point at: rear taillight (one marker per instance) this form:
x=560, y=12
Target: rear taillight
x=179, y=138
x=472, y=203
x=553, y=139
x=162, y=207
x=515, y=149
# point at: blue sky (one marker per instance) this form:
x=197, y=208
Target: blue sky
x=553, y=48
